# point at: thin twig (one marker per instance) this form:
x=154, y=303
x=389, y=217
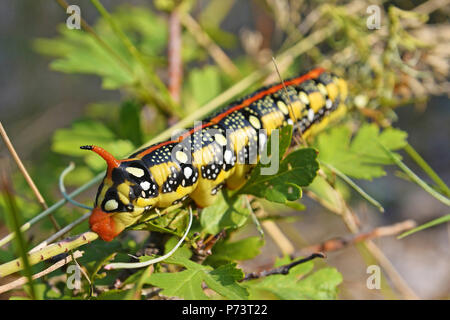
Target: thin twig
x=174, y=55
x=285, y=245
x=340, y=243
x=350, y=220
x=283, y=269
x=23, y=280
x=214, y=50
x=24, y=171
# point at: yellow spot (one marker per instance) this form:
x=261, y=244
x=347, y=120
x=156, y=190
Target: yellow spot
x=332, y=91
x=317, y=101
x=137, y=172
x=322, y=89
x=254, y=121
x=282, y=106
x=303, y=97
x=343, y=90
x=220, y=139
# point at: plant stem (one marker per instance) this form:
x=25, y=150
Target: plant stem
x=47, y=252
x=171, y=107
x=13, y=213
x=354, y=186
x=415, y=178
x=428, y=170
x=25, y=173
x=53, y=208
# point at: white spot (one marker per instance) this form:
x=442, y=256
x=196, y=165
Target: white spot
x=145, y=185
x=310, y=115
x=328, y=104
x=220, y=139
x=254, y=121
x=227, y=156
x=187, y=172
x=289, y=121
x=181, y=156
x=282, y=106
x=111, y=205
x=262, y=140
x=137, y=172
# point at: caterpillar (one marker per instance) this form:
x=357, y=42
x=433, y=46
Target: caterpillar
x=218, y=152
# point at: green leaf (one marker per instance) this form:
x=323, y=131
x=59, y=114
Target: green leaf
x=187, y=284
x=182, y=252
x=427, y=225
x=361, y=157
x=296, y=285
x=226, y=251
x=130, y=122
x=296, y=170
x=202, y=85
x=224, y=215
x=87, y=132
x=80, y=52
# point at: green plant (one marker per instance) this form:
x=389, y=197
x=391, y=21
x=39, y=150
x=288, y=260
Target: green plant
x=125, y=49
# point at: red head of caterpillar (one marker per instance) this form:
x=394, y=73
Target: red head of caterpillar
x=127, y=190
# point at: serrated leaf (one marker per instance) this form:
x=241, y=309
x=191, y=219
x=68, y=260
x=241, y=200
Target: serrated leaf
x=187, y=284
x=297, y=170
x=361, y=156
x=224, y=215
x=79, y=52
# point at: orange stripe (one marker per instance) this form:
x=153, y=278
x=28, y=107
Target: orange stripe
x=159, y=145
x=310, y=75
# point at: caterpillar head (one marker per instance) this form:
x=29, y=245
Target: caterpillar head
x=126, y=192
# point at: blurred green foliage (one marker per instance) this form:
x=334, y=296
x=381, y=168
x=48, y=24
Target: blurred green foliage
x=374, y=64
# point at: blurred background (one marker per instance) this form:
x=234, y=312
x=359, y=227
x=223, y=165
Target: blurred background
x=35, y=101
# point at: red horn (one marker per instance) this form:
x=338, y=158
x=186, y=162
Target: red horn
x=109, y=158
